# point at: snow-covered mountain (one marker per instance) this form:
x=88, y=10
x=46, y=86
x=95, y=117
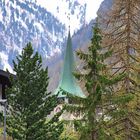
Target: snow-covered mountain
x=81, y=11
x=22, y=21
x=45, y=23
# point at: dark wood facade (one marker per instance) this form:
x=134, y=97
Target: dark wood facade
x=4, y=82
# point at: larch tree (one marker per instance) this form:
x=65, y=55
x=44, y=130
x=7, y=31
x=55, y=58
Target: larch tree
x=29, y=102
x=120, y=28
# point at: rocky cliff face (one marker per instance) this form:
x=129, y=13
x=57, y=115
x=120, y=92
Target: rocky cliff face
x=105, y=7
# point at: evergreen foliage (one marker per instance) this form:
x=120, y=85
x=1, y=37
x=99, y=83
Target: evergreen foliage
x=69, y=133
x=97, y=80
x=1, y=117
x=30, y=103
x=121, y=34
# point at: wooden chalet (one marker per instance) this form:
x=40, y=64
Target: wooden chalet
x=4, y=82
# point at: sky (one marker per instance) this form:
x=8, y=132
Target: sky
x=92, y=7
x=51, y=6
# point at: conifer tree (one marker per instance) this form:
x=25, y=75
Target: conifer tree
x=29, y=102
x=97, y=82
x=121, y=34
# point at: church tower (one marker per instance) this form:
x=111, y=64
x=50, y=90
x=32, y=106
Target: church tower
x=68, y=84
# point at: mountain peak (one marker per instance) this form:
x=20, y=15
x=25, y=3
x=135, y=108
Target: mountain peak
x=44, y=23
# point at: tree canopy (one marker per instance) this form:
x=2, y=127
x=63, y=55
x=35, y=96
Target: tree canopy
x=29, y=103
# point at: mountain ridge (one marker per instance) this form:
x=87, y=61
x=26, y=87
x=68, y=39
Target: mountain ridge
x=22, y=21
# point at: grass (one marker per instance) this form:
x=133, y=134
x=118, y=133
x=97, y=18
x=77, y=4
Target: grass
x=1, y=136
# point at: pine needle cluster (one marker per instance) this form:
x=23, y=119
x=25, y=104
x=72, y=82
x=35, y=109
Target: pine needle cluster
x=29, y=102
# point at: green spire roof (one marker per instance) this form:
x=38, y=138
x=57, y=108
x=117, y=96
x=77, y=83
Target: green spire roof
x=68, y=82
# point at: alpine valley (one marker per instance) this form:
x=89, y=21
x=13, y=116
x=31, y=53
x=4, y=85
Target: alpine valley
x=23, y=21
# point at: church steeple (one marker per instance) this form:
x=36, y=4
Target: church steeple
x=68, y=82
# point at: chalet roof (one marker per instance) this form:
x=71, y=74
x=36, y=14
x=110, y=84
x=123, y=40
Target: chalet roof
x=4, y=73
x=4, y=77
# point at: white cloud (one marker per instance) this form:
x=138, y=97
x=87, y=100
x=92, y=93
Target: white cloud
x=92, y=8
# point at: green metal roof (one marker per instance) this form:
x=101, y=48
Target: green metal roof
x=68, y=82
